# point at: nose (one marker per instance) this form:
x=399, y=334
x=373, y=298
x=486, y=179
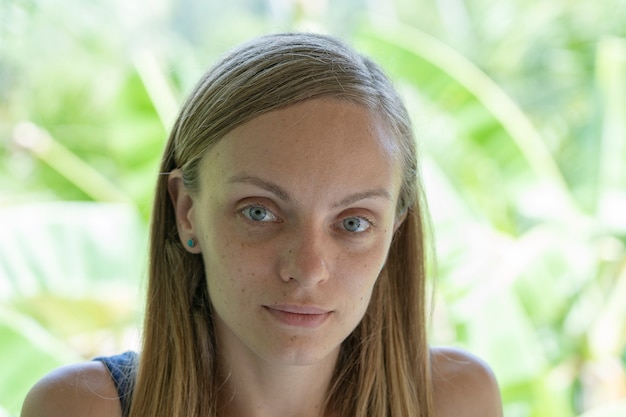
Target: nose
x=304, y=258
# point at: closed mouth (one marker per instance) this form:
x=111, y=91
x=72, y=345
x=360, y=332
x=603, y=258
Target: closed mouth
x=298, y=309
x=299, y=316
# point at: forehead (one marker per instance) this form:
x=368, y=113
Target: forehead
x=317, y=140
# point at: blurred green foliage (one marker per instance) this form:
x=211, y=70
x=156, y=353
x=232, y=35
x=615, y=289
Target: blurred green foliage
x=520, y=111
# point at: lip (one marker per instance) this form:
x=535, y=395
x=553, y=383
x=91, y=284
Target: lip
x=299, y=315
x=298, y=309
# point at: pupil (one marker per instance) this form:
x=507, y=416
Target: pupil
x=257, y=213
x=352, y=224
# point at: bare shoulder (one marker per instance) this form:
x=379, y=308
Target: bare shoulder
x=464, y=385
x=84, y=389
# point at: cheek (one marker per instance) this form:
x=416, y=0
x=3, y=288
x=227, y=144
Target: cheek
x=233, y=267
x=363, y=272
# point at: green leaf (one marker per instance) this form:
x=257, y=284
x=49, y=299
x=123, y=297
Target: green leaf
x=28, y=351
x=69, y=277
x=71, y=248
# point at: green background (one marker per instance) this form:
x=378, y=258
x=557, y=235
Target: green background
x=520, y=112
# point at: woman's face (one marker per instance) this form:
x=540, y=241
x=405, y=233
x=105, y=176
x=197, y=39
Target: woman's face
x=294, y=219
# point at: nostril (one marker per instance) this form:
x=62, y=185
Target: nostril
x=304, y=263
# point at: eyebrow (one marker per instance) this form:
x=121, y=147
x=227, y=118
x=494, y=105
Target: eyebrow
x=266, y=185
x=285, y=196
x=353, y=198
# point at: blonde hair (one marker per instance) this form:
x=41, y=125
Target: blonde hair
x=384, y=366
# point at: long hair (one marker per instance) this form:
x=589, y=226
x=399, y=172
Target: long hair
x=384, y=366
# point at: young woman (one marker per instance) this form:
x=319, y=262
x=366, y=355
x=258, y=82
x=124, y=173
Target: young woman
x=287, y=272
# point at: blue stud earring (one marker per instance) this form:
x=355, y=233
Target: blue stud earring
x=191, y=243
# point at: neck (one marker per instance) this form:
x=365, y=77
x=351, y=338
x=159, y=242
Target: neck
x=256, y=387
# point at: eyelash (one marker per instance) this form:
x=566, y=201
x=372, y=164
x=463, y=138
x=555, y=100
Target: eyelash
x=245, y=212
x=369, y=222
x=257, y=206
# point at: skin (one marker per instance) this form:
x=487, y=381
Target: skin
x=275, y=228
x=287, y=229
x=283, y=168
x=464, y=387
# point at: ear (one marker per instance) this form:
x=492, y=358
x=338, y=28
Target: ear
x=183, y=203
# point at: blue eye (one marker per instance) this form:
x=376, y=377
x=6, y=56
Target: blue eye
x=356, y=224
x=258, y=214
